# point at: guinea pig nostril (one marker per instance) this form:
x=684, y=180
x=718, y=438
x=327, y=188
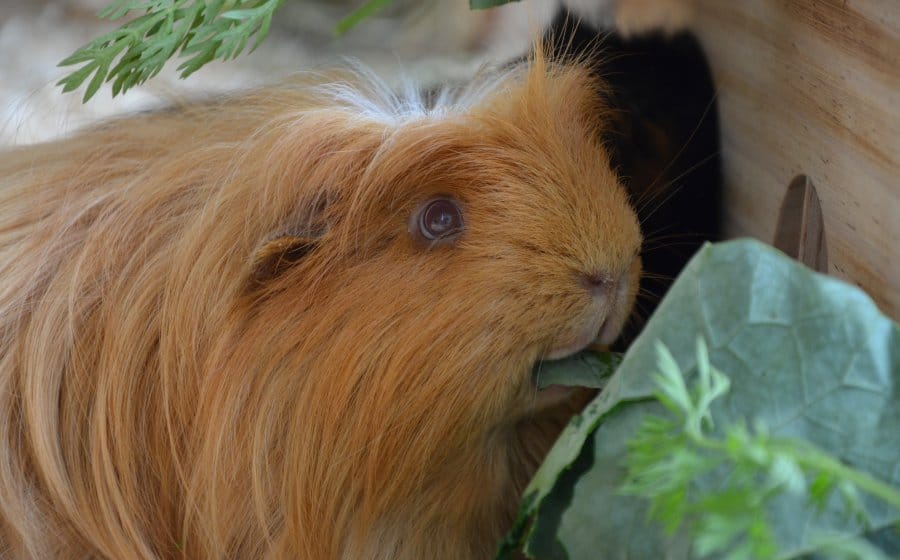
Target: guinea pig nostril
x=597, y=283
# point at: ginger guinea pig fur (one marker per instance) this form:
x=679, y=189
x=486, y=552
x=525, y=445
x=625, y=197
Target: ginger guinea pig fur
x=301, y=322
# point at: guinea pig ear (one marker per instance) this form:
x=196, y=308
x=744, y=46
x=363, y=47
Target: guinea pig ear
x=297, y=236
x=278, y=253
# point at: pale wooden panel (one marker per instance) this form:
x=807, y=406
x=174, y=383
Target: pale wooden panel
x=813, y=86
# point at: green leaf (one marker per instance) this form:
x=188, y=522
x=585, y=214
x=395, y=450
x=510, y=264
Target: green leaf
x=75, y=79
x=367, y=10
x=808, y=358
x=120, y=8
x=485, y=4
x=194, y=29
x=96, y=81
x=263, y=31
x=585, y=369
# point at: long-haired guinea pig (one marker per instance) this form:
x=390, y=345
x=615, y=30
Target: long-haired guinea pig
x=301, y=322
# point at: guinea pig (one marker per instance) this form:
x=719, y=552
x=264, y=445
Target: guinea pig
x=300, y=322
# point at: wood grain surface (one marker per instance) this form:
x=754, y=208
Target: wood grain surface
x=813, y=87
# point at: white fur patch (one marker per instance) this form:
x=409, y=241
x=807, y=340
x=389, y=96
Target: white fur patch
x=372, y=98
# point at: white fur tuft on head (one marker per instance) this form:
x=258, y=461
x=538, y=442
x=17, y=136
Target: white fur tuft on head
x=372, y=98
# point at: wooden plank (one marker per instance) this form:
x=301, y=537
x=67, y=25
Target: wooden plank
x=813, y=87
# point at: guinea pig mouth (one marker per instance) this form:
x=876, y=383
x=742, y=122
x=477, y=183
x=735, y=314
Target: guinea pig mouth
x=600, y=323
x=554, y=394
x=601, y=331
x=590, y=333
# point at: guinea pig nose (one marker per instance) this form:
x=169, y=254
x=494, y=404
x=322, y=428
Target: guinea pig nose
x=597, y=283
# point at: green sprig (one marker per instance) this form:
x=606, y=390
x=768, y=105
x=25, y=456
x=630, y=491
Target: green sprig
x=371, y=7
x=197, y=30
x=667, y=455
x=486, y=4
x=366, y=10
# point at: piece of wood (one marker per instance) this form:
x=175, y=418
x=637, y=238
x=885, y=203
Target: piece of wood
x=813, y=87
x=800, y=231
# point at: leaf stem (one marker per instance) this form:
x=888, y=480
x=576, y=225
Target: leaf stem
x=366, y=10
x=807, y=455
x=815, y=459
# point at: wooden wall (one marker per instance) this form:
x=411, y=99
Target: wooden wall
x=813, y=87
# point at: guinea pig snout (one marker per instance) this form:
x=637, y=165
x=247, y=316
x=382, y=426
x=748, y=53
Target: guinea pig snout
x=601, y=316
x=598, y=283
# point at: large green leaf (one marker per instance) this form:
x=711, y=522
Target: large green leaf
x=809, y=356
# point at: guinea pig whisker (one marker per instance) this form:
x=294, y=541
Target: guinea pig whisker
x=537, y=382
x=687, y=238
x=687, y=171
x=657, y=235
x=646, y=292
x=676, y=190
x=655, y=276
x=664, y=189
x=638, y=314
x=649, y=297
x=670, y=245
x=706, y=110
x=650, y=236
x=635, y=316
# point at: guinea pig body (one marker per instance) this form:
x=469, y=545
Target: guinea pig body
x=226, y=331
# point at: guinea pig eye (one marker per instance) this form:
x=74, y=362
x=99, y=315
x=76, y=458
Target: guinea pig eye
x=440, y=218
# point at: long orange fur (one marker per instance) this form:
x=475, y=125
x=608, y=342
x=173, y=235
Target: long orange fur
x=167, y=390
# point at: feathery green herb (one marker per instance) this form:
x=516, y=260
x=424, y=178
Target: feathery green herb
x=199, y=31
x=668, y=454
